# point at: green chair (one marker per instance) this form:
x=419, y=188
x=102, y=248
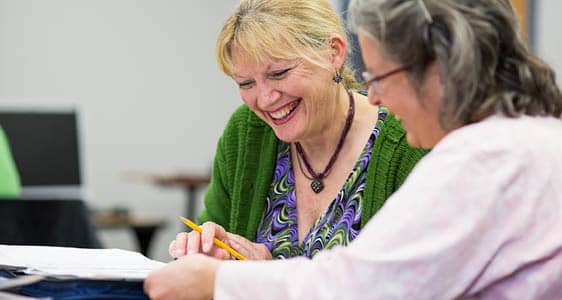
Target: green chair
x=9, y=178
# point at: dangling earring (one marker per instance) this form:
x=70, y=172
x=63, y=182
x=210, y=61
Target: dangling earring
x=337, y=77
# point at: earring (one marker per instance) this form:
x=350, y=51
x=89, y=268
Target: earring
x=337, y=77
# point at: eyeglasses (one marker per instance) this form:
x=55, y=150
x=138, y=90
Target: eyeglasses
x=373, y=81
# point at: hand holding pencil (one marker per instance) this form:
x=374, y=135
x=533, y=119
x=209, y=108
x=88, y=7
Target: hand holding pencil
x=216, y=241
x=211, y=239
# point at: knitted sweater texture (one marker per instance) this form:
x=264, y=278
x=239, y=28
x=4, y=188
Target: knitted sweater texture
x=245, y=161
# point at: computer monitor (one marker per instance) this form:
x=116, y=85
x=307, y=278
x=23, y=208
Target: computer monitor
x=45, y=146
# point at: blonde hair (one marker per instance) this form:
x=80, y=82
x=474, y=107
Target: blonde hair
x=282, y=29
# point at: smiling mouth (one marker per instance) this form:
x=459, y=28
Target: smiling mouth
x=284, y=112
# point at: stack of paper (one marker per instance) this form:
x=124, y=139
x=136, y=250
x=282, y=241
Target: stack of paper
x=62, y=262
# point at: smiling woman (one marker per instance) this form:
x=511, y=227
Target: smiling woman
x=306, y=161
x=479, y=217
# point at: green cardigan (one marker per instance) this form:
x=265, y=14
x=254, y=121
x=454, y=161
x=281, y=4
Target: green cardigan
x=9, y=178
x=245, y=162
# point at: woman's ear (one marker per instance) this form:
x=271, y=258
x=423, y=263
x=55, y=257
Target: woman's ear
x=338, y=47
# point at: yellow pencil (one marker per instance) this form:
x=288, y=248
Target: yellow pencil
x=217, y=242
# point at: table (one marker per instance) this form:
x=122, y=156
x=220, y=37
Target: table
x=191, y=183
x=143, y=227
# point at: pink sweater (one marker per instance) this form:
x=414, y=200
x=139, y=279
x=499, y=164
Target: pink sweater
x=480, y=217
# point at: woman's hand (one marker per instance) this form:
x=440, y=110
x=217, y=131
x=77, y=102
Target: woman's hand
x=250, y=250
x=195, y=242
x=191, y=277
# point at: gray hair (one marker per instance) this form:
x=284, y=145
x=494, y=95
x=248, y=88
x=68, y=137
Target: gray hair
x=485, y=66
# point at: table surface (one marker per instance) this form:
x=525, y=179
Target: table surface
x=186, y=180
x=143, y=227
x=112, y=219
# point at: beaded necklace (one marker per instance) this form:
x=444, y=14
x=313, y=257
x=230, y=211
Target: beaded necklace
x=317, y=183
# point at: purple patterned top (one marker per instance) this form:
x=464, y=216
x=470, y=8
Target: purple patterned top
x=339, y=224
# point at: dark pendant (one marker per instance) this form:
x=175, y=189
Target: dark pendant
x=317, y=185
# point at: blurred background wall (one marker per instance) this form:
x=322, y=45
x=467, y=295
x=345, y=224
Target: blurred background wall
x=144, y=77
x=547, y=38
x=150, y=95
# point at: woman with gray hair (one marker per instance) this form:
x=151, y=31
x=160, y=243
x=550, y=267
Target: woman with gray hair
x=480, y=217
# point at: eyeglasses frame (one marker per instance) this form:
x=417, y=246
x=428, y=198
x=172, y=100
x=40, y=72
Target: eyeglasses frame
x=373, y=82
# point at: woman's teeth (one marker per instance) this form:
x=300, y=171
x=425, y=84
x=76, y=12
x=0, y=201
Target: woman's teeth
x=280, y=114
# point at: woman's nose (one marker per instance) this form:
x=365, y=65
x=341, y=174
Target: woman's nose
x=374, y=99
x=267, y=95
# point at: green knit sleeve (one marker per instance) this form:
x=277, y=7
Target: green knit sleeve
x=217, y=199
x=391, y=161
x=410, y=156
x=9, y=178
x=219, y=195
x=404, y=158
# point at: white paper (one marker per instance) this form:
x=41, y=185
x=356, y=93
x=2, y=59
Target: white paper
x=10, y=283
x=64, y=262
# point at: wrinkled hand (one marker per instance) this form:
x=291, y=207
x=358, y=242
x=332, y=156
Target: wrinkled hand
x=195, y=242
x=250, y=250
x=190, y=277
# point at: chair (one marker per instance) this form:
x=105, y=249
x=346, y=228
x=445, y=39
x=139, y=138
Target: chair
x=63, y=223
